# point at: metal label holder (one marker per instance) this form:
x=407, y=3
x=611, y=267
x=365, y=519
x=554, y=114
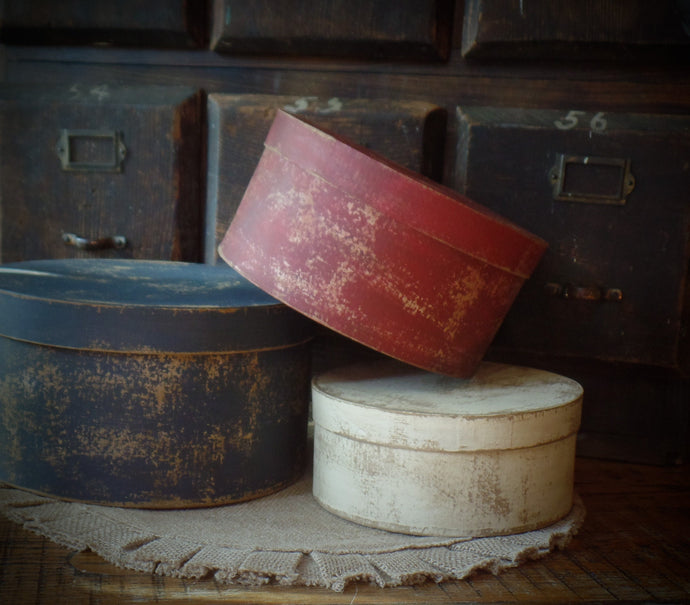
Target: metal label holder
x=557, y=177
x=64, y=150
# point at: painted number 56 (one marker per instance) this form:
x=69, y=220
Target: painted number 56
x=572, y=119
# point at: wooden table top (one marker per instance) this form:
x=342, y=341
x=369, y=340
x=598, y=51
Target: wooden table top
x=634, y=546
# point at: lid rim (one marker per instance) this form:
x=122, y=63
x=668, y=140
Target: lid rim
x=420, y=428
x=78, y=323
x=520, y=273
x=125, y=306
x=474, y=450
x=520, y=249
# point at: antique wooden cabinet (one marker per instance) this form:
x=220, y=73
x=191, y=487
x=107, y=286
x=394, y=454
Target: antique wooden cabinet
x=608, y=191
x=609, y=304
x=100, y=170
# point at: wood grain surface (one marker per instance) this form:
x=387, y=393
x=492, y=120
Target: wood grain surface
x=634, y=546
x=159, y=217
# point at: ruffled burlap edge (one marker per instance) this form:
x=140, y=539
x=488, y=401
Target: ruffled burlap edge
x=80, y=527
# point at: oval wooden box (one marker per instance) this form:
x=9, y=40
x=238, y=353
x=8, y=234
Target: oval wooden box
x=409, y=451
x=376, y=252
x=148, y=384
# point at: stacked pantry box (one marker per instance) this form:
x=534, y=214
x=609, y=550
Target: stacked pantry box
x=437, y=443
x=149, y=384
x=573, y=100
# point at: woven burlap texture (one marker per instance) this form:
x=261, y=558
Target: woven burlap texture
x=286, y=538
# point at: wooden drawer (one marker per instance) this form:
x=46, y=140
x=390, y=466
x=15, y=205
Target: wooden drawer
x=595, y=29
x=97, y=162
x=609, y=194
x=406, y=29
x=409, y=133
x=163, y=23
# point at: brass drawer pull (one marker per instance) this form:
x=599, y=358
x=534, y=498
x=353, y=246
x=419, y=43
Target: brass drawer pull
x=115, y=242
x=592, y=293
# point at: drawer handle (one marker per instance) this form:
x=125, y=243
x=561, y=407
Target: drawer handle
x=115, y=242
x=591, y=293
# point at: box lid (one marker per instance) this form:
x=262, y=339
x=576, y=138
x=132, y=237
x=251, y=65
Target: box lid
x=142, y=306
x=375, y=252
x=501, y=407
x=432, y=209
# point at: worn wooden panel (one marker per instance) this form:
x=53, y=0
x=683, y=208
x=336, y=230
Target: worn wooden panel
x=407, y=29
x=633, y=414
x=163, y=23
x=609, y=193
x=97, y=162
x=592, y=29
x=410, y=133
x=604, y=86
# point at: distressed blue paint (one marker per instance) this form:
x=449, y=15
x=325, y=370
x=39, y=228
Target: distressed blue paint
x=142, y=306
x=157, y=428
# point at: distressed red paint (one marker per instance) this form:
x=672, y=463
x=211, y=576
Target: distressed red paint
x=375, y=252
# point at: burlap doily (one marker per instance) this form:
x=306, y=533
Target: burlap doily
x=286, y=538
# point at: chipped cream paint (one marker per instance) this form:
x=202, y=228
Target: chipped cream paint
x=488, y=456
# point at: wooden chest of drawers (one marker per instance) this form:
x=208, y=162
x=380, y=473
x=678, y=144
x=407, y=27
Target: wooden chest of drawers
x=91, y=167
x=608, y=192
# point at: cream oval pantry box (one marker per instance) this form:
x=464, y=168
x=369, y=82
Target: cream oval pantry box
x=405, y=450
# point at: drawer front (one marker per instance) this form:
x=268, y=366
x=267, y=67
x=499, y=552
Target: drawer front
x=601, y=29
x=609, y=194
x=100, y=171
x=409, y=133
x=406, y=29
x=162, y=23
